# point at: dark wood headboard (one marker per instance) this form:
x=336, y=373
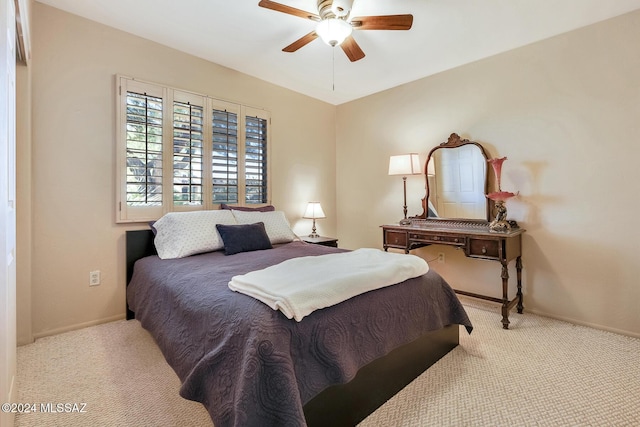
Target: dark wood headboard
x=139, y=244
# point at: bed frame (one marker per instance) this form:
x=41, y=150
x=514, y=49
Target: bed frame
x=374, y=384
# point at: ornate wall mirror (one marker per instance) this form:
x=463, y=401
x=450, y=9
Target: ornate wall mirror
x=456, y=181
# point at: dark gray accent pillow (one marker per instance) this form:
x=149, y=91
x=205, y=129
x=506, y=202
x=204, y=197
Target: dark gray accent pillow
x=244, y=237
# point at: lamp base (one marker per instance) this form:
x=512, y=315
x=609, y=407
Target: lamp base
x=313, y=230
x=404, y=222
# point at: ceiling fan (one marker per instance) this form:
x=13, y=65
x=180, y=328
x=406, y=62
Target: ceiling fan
x=334, y=25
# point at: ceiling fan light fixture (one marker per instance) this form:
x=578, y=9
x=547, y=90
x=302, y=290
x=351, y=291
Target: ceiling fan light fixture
x=333, y=31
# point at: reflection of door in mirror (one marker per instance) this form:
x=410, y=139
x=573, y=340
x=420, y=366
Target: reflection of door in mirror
x=459, y=183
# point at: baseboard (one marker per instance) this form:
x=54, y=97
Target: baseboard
x=587, y=324
x=632, y=334
x=24, y=340
x=77, y=326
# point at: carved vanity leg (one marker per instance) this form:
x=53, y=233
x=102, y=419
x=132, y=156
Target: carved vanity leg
x=505, y=295
x=519, y=277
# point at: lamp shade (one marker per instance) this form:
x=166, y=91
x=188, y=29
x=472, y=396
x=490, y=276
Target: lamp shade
x=314, y=210
x=333, y=31
x=405, y=164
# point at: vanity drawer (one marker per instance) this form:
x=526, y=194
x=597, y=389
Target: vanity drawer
x=441, y=239
x=484, y=248
x=395, y=238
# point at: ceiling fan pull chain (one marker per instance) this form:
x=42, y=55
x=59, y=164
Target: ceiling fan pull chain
x=333, y=69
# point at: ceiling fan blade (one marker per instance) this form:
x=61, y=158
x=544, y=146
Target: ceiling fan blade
x=383, y=22
x=352, y=49
x=302, y=41
x=268, y=4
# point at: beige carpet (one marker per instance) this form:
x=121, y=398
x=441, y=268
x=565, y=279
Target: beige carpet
x=542, y=372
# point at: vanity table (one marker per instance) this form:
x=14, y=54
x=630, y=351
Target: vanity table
x=457, y=212
x=475, y=241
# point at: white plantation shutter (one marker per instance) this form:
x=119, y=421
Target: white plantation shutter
x=181, y=151
x=188, y=150
x=140, y=155
x=255, y=156
x=224, y=156
x=144, y=149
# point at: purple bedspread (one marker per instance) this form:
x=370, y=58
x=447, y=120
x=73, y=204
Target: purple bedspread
x=250, y=365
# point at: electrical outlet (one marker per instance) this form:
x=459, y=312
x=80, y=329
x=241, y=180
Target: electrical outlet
x=94, y=278
x=441, y=257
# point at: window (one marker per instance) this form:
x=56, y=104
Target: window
x=255, y=160
x=183, y=151
x=144, y=149
x=187, y=154
x=224, y=156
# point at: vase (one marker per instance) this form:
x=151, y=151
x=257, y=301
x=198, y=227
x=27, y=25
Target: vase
x=500, y=224
x=497, y=169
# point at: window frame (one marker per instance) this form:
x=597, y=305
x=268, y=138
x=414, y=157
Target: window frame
x=128, y=213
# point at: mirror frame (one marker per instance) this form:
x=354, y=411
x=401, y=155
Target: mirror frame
x=454, y=141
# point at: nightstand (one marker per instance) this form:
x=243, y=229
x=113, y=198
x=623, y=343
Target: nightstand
x=324, y=241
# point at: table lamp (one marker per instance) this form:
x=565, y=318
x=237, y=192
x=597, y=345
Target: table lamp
x=314, y=211
x=405, y=164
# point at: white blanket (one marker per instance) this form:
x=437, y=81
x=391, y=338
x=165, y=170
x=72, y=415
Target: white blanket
x=299, y=286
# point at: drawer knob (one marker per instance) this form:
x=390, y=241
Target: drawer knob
x=436, y=238
x=484, y=249
x=455, y=240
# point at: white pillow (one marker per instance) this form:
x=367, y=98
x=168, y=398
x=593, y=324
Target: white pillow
x=275, y=223
x=180, y=234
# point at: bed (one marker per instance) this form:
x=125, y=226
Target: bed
x=250, y=365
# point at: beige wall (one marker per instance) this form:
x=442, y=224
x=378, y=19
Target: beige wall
x=563, y=110
x=72, y=170
x=566, y=112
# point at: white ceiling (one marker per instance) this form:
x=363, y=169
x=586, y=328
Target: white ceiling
x=446, y=33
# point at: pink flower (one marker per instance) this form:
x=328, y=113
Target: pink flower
x=499, y=196
x=497, y=169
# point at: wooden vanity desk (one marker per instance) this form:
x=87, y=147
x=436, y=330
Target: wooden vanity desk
x=475, y=240
x=457, y=211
